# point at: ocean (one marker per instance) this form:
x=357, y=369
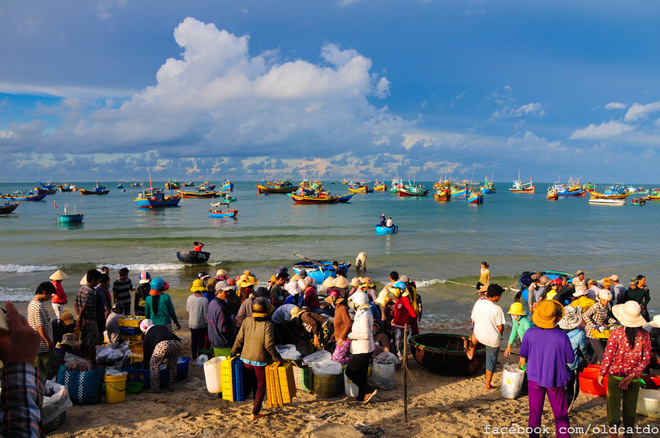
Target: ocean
x=439, y=245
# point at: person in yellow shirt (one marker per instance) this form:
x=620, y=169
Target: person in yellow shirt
x=580, y=299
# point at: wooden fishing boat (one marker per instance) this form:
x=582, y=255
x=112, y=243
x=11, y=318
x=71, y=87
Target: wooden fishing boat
x=381, y=230
x=458, y=192
x=189, y=184
x=522, y=187
x=396, y=185
x=226, y=186
x=488, y=188
x=411, y=190
x=475, y=198
x=136, y=184
x=67, y=187
x=638, y=201
x=444, y=353
x=172, y=184
x=155, y=198
x=24, y=196
x=70, y=218
x=344, y=198
x=443, y=195
x=380, y=187
x=359, y=188
x=193, y=257
x=525, y=279
x=120, y=186
x=609, y=194
x=8, y=207
x=607, y=201
x=320, y=270
x=220, y=210
x=283, y=186
x=185, y=194
x=98, y=190
x=552, y=195
x=314, y=199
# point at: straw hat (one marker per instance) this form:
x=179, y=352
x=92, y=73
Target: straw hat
x=59, y=275
x=328, y=282
x=295, y=277
x=220, y=273
x=607, y=281
x=629, y=314
x=272, y=279
x=517, y=309
x=572, y=318
x=547, y=314
x=404, y=278
x=292, y=287
x=246, y=281
x=83, y=281
x=384, y=297
x=614, y=277
x=341, y=282
x=197, y=286
x=655, y=322
x=544, y=280
x=70, y=340
x=295, y=312
x=355, y=282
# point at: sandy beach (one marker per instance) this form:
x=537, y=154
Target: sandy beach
x=439, y=406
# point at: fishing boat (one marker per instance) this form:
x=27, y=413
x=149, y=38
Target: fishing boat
x=48, y=188
x=119, y=186
x=226, y=186
x=67, y=218
x=612, y=192
x=67, y=187
x=396, y=185
x=522, y=187
x=136, y=184
x=381, y=230
x=282, y=186
x=221, y=210
x=155, y=198
x=475, y=198
x=189, y=184
x=571, y=189
x=444, y=353
x=525, y=279
x=185, y=194
x=172, y=184
x=607, y=201
x=320, y=270
x=193, y=257
x=638, y=201
x=442, y=194
x=318, y=198
x=410, y=190
x=98, y=190
x=488, y=188
x=344, y=198
x=380, y=186
x=552, y=195
x=22, y=196
x=359, y=188
x=8, y=207
x=206, y=187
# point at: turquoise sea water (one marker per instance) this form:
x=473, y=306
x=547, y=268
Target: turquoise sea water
x=439, y=245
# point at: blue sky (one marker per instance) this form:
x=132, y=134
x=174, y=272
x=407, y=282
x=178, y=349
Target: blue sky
x=111, y=89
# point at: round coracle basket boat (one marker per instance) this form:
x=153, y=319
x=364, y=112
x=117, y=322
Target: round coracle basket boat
x=444, y=353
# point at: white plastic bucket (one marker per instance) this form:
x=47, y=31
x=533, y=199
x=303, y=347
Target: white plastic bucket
x=512, y=381
x=350, y=388
x=212, y=375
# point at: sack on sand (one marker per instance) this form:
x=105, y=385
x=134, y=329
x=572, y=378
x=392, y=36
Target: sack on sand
x=288, y=352
x=512, y=380
x=327, y=367
x=317, y=356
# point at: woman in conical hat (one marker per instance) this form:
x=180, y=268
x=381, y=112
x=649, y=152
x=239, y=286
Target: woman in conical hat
x=59, y=297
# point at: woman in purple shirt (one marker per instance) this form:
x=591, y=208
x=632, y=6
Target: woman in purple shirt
x=546, y=350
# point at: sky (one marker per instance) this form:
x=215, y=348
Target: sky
x=361, y=89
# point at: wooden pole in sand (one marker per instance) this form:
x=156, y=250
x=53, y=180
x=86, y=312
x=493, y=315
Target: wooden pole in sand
x=405, y=372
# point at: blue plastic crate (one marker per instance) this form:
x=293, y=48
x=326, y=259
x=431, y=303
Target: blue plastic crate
x=137, y=374
x=237, y=376
x=130, y=331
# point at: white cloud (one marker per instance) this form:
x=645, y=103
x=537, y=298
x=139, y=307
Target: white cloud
x=604, y=130
x=638, y=111
x=534, y=109
x=616, y=105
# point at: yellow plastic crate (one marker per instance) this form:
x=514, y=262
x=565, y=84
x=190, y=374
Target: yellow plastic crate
x=136, y=347
x=605, y=334
x=130, y=321
x=226, y=379
x=287, y=382
x=133, y=338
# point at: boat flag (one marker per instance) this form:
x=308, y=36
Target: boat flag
x=55, y=204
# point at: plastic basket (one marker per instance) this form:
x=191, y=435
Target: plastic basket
x=130, y=321
x=130, y=331
x=133, y=387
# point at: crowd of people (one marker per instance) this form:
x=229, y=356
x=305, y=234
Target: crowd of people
x=571, y=323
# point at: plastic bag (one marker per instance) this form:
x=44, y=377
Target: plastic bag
x=56, y=401
x=341, y=353
x=73, y=362
x=317, y=356
x=512, y=380
x=201, y=360
x=382, y=375
x=326, y=367
x=288, y=351
x=387, y=358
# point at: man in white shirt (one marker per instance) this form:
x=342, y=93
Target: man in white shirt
x=488, y=319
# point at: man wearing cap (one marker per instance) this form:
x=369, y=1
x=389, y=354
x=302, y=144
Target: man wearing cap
x=642, y=295
x=85, y=307
x=197, y=307
x=592, y=289
x=579, y=280
x=219, y=323
x=112, y=323
x=618, y=290
x=59, y=297
x=531, y=289
x=545, y=351
x=141, y=293
x=245, y=311
x=38, y=318
x=122, y=288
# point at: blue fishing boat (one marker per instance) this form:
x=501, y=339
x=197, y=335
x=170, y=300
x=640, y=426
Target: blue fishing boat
x=476, y=198
x=22, y=196
x=220, y=210
x=381, y=230
x=226, y=186
x=98, y=190
x=488, y=188
x=345, y=198
x=8, y=207
x=155, y=198
x=70, y=218
x=320, y=270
